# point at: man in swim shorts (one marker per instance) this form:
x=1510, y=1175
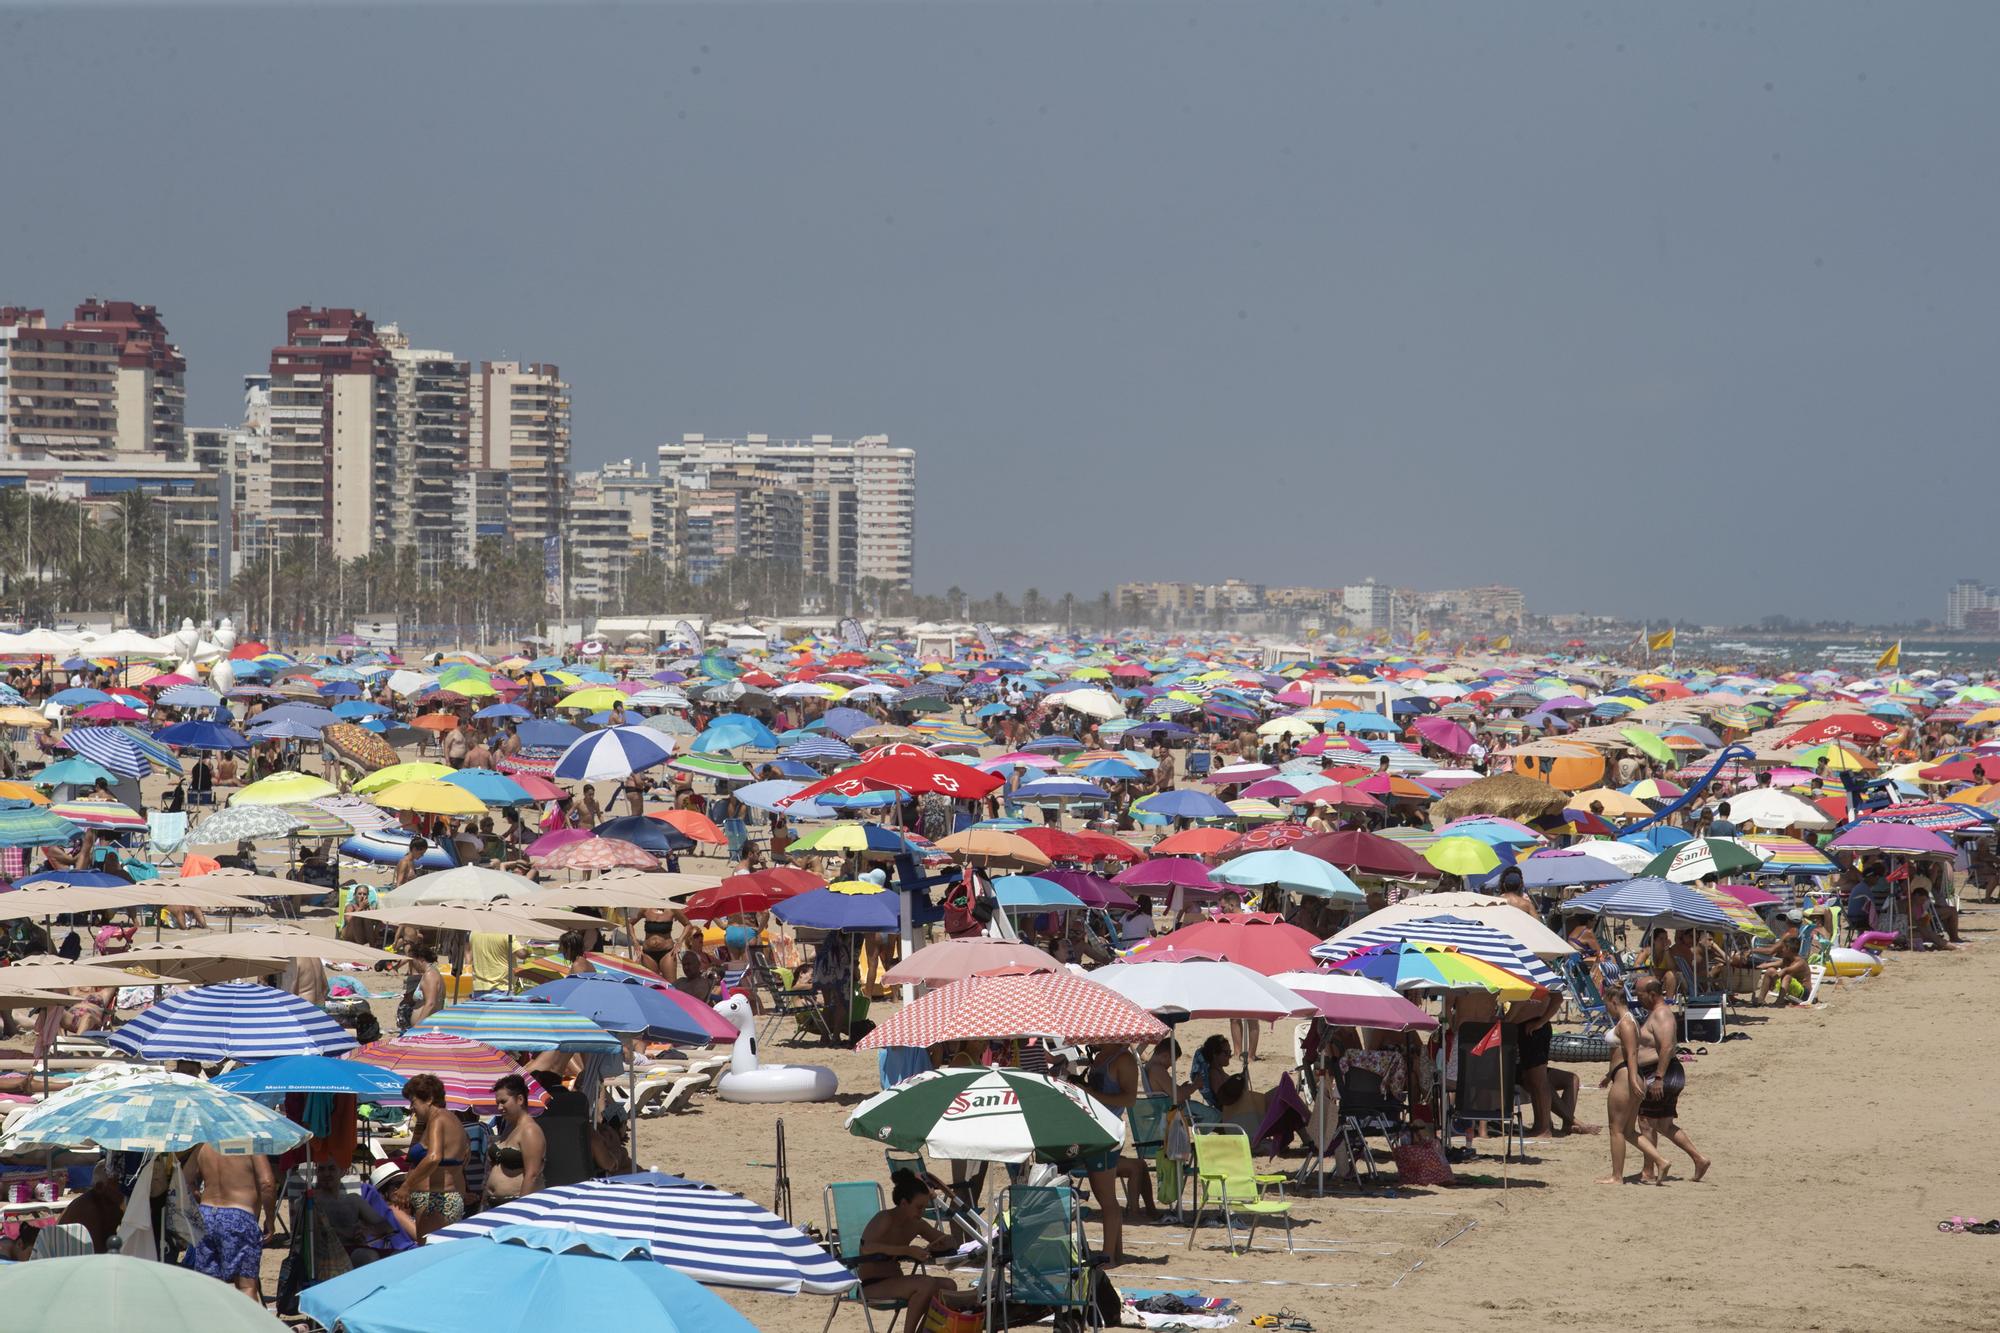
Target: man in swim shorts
x=235, y=1190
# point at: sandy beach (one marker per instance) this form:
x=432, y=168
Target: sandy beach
x=1840, y=1134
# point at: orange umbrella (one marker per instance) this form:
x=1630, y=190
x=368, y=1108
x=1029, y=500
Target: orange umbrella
x=1195, y=842
x=194, y=863
x=693, y=823
x=21, y=791
x=435, y=722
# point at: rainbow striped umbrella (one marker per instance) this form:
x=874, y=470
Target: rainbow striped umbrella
x=521, y=1025
x=98, y=814
x=468, y=1069
x=1784, y=855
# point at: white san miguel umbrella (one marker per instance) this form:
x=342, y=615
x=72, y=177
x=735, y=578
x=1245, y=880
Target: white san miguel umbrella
x=987, y=1115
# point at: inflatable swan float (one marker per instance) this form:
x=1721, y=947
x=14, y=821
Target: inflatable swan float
x=750, y=1081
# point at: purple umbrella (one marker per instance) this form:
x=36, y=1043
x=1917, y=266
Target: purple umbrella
x=1166, y=872
x=1444, y=733
x=1091, y=890
x=1882, y=836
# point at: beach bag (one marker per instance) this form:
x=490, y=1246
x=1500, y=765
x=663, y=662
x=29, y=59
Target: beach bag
x=941, y=1318
x=1421, y=1162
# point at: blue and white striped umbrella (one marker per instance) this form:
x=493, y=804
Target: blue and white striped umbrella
x=236, y=1020
x=614, y=752
x=167, y=1113
x=1468, y=937
x=128, y=753
x=189, y=696
x=717, y=1238
x=1653, y=900
x=820, y=747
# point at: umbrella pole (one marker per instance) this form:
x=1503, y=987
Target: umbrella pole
x=632, y=1103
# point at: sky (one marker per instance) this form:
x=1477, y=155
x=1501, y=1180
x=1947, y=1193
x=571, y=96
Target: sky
x=1665, y=310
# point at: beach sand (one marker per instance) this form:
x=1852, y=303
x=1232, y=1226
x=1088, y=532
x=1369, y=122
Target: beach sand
x=1841, y=1136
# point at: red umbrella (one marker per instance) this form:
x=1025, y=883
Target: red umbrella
x=1972, y=768
x=1855, y=725
x=1338, y=794
x=1260, y=941
x=1104, y=847
x=540, y=788
x=756, y=891
x=1059, y=1005
x=908, y=773
x=1054, y=844
x=1362, y=853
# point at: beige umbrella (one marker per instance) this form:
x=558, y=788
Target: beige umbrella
x=1504, y=917
x=248, y=883
x=510, y=918
x=29, y=903
x=671, y=886
x=206, y=959
x=597, y=893
x=48, y=972
x=1617, y=804
x=993, y=847
x=1509, y=795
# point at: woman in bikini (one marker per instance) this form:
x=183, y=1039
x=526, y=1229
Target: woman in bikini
x=1621, y=1098
x=900, y=1232
x=514, y=1158
x=433, y=1193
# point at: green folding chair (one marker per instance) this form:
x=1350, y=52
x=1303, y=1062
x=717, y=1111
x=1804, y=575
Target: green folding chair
x=850, y=1206
x=1047, y=1266
x=1224, y=1172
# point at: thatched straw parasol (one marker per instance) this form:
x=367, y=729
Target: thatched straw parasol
x=1509, y=795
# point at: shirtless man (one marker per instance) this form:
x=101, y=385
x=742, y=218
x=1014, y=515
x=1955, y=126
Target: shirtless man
x=1786, y=973
x=98, y=1209
x=235, y=1191
x=1661, y=1076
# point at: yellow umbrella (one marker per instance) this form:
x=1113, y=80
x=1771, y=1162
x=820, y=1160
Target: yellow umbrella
x=24, y=717
x=990, y=845
x=284, y=789
x=592, y=699
x=384, y=778
x=430, y=798
x=1460, y=855
x=472, y=687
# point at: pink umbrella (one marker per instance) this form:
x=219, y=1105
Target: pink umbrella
x=108, y=711
x=1444, y=733
x=1750, y=895
x=562, y=837
x=955, y=960
x=1060, y=1005
x=597, y=854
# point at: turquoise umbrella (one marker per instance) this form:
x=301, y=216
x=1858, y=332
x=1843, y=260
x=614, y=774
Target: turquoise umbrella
x=521, y=1278
x=32, y=826
x=1033, y=893
x=1288, y=870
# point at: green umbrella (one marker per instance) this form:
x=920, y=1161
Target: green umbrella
x=987, y=1115
x=116, y=1293
x=1646, y=743
x=711, y=766
x=32, y=826
x=1686, y=862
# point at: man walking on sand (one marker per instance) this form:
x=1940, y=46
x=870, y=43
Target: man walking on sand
x=236, y=1190
x=1661, y=1075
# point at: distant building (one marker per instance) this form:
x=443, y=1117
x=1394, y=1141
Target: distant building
x=107, y=384
x=1967, y=596
x=430, y=419
x=189, y=496
x=742, y=514
x=331, y=411
x=883, y=479
x=1368, y=606
x=520, y=427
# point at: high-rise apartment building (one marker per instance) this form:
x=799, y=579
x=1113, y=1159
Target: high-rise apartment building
x=108, y=384
x=331, y=411
x=883, y=479
x=618, y=516
x=430, y=430
x=1966, y=597
x=740, y=514
x=520, y=426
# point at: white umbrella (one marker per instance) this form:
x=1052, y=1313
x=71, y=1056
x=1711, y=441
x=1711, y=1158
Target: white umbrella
x=1627, y=856
x=461, y=884
x=1091, y=703
x=1769, y=808
x=1203, y=988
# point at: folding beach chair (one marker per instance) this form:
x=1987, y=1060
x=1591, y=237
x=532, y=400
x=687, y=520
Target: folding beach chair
x=850, y=1206
x=166, y=835
x=1224, y=1174
x=1046, y=1260
x=1488, y=1088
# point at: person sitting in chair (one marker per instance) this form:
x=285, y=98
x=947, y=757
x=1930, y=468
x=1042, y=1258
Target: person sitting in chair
x=900, y=1232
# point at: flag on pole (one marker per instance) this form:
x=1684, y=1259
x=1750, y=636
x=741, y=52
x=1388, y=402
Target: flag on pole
x=1489, y=1041
x=1661, y=642
x=1891, y=658
x=1506, y=642
x=1423, y=636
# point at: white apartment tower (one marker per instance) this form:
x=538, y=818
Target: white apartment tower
x=883, y=479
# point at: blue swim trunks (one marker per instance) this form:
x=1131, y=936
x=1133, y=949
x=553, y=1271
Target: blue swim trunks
x=233, y=1247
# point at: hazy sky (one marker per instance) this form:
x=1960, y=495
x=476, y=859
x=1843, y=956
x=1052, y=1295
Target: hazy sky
x=1657, y=308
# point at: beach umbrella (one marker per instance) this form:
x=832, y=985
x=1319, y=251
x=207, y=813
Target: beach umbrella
x=1166, y=872
x=995, y=1115
x=99, y=815
x=123, y=1293
x=1263, y=942
x=633, y=1007
x=1288, y=869
x=460, y=884
x=358, y=745
x=468, y=1069
x=126, y=752
x=849, y=837
x=1195, y=842
x=1201, y=988
x=412, y=771
x=646, y=833
x=1882, y=836
x=1362, y=853
x=200, y=736
x=1417, y=965
x=712, y=766
x=911, y=771
x=1656, y=901
x=954, y=960
x=1186, y=804
x=1346, y=1000
x=521, y=1025
x=849, y=905
x=1091, y=890
x=752, y=891
x=614, y=752
x=284, y=789
x=717, y=1238
x=168, y=1113
x=1700, y=857
x=986, y=846
x=1464, y=934
x=1033, y=893
x=766, y=796
x=488, y=786
x=512, y=1278
x=1496, y=913
x=1462, y=855
x=430, y=798
x=1054, y=1005
x=240, y=823
x=27, y=825
x=595, y=853
x=236, y=1020
x=1568, y=867
x=312, y=1073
